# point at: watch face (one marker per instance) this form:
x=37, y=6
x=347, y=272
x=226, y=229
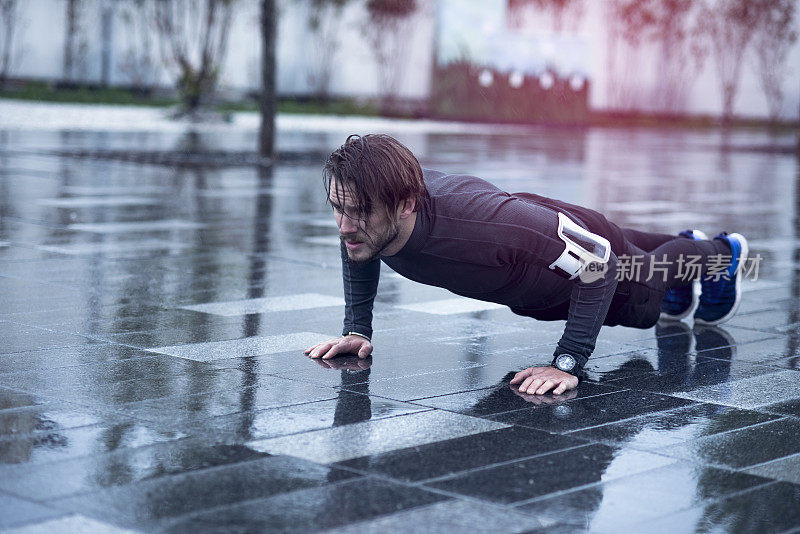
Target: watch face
x=565, y=362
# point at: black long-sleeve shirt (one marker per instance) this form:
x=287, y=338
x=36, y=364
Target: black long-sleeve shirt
x=480, y=242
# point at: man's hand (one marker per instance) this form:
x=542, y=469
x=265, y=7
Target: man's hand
x=343, y=345
x=540, y=380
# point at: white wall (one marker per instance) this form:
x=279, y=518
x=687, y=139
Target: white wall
x=41, y=41
x=705, y=95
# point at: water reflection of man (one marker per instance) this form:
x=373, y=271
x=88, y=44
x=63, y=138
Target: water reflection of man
x=542, y=257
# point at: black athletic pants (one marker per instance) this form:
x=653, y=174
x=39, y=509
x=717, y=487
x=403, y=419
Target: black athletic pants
x=662, y=261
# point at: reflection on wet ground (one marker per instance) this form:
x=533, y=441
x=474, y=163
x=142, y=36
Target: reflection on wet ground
x=154, y=314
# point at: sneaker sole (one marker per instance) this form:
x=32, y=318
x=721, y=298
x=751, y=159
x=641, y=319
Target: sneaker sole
x=735, y=308
x=699, y=236
x=664, y=316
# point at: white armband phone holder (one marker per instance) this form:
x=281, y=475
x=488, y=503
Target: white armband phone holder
x=582, y=247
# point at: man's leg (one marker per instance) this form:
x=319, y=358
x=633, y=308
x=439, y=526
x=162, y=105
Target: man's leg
x=716, y=263
x=646, y=241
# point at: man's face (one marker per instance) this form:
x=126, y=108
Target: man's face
x=365, y=235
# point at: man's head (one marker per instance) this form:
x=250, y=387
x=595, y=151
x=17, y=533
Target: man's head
x=374, y=184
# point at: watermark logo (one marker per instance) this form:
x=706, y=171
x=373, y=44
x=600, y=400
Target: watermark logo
x=643, y=268
x=593, y=272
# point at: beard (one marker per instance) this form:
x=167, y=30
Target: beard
x=371, y=245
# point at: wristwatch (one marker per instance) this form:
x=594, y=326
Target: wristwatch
x=567, y=363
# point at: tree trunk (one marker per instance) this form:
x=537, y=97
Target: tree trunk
x=728, y=94
x=69, y=44
x=267, y=101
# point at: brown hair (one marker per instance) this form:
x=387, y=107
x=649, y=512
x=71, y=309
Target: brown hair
x=377, y=170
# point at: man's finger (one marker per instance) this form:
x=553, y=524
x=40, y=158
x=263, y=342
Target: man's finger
x=525, y=383
x=333, y=351
x=535, y=385
x=520, y=376
x=544, y=388
x=562, y=387
x=365, y=351
x=308, y=350
x=320, y=349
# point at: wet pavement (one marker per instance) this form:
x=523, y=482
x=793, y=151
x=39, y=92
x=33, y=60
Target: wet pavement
x=153, y=313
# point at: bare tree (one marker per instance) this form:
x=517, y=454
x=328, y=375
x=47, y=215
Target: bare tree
x=670, y=25
x=267, y=100
x=194, y=40
x=386, y=29
x=730, y=26
x=75, y=44
x=774, y=36
x=9, y=19
x=324, y=22
x=624, y=87
x=559, y=10
x=138, y=61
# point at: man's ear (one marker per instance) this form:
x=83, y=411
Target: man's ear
x=406, y=207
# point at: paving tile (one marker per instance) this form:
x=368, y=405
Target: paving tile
x=771, y=508
x=657, y=430
x=250, y=346
x=49, y=418
x=98, y=320
x=346, y=370
x=445, y=382
x=154, y=386
x=83, y=441
x=451, y=306
x=67, y=356
x=71, y=523
x=686, y=376
x=559, y=471
x=95, y=201
x=506, y=398
x=374, y=437
x=18, y=338
x=150, y=503
x=17, y=511
x=780, y=351
x=736, y=449
x=10, y=399
x=443, y=517
x=447, y=457
x=146, y=367
x=300, y=301
x=104, y=470
x=636, y=498
x=750, y=392
x=311, y=509
x=592, y=411
x=347, y=408
x=170, y=225
x=120, y=248
x=196, y=330
x=786, y=469
x=245, y=396
x=790, y=407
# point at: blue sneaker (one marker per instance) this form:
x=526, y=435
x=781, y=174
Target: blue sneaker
x=679, y=302
x=719, y=299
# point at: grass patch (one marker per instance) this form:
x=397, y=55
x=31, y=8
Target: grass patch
x=87, y=94
x=45, y=92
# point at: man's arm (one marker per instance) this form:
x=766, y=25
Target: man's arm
x=588, y=307
x=490, y=227
x=360, y=282
x=589, y=303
